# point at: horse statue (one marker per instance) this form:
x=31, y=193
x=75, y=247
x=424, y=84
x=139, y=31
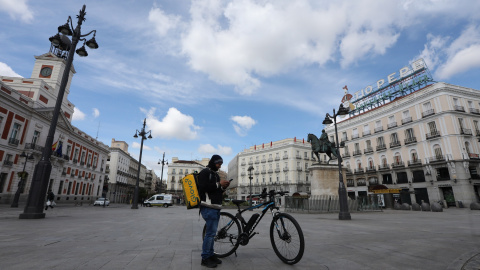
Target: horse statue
x=322, y=145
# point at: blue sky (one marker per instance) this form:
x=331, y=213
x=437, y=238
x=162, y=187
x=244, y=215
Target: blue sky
x=215, y=77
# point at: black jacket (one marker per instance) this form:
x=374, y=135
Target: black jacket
x=51, y=196
x=209, y=189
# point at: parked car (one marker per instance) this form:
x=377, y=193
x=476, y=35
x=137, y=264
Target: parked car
x=101, y=201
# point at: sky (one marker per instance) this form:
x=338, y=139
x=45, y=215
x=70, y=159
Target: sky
x=218, y=76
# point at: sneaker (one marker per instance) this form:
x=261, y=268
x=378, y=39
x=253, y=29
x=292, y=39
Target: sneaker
x=209, y=263
x=216, y=259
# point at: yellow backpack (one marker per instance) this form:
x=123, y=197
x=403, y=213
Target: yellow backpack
x=190, y=190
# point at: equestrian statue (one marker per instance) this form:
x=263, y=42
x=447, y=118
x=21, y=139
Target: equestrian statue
x=322, y=145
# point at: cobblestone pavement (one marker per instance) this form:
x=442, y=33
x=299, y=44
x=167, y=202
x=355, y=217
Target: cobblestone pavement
x=118, y=237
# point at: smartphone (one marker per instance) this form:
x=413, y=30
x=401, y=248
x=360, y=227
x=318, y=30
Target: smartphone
x=230, y=180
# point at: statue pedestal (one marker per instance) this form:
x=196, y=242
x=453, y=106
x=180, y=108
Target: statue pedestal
x=324, y=179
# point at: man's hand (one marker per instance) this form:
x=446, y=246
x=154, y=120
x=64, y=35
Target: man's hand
x=224, y=183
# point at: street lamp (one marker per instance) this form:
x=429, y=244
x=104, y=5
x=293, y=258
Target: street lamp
x=141, y=133
x=163, y=162
x=41, y=175
x=250, y=169
x=342, y=192
x=22, y=180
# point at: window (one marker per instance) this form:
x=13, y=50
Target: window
x=14, y=134
x=432, y=127
x=455, y=101
x=380, y=141
x=391, y=119
x=366, y=129
x=173, y=179
x=394, y=137
x=344, y=136
x=357, y=147
x=475, y=125
x=69, y=188
x=36, y=135
x=60, y=188
x=69, y=149
x=384, y=162
x=406, y=114
x=427, y=106
x=3, y=180
x=397, y=158
x=438, y=151
x=368, y=143
x=181, y=171
x=173, y=171
x=414, y=156
x=378, y=124
x=186, y=171
x=355, y=133
x=409, y=133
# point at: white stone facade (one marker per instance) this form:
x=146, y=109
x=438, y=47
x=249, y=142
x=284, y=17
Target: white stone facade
x=424, y=143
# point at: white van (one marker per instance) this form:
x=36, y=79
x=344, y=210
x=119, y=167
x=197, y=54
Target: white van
x=164, y=200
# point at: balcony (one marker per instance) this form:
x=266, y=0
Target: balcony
x=459, y=108
x=466, y=131
x=299, y=169
x=107, y=170
x=257, y=161
x=370, y=169
x=101, y=169
x=285, y=157
x=264, y=171
x=75, y=161
x=270, y=170
x=437, y=158
x=88, y=165
x=410, y=140
x=414, y=163
x=433, y=135
x=398, y=164
x=285, y=169
x=383, y=167
x=13, y=141
x=250, y=163
x=306, y=158
x=395, y=144
x=82, y=163
x=263, y=161
x=406, y=120
x=392, y=125
x=243, y=163
x=64, y=172
x=355, y=136
x=381, y=147
x=473, y=156
x=34, y=147
x=361, y=183
x=298, y=157
x=346, y=155
x=344, y=139
x=243, y=174
x=358, y=171
x=7, y=163
x=378, y=129
x=270, y=159
x=277, y=158
x=257, y=172
x=428, y=113
x=474, y=111
x=368, y=150
x=366, y=133
x=357, y=153
x=277, y=170
x=72, y=174
x=348, y=171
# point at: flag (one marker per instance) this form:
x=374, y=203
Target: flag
x=345, y=87
x=54, y=146
x=59, y=148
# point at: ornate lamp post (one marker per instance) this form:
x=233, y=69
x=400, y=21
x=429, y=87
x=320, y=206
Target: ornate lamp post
x=250, y=169
x=41, y=174
x=141, y=133
x=342, y=192
x=23, y=178
x=163, y=162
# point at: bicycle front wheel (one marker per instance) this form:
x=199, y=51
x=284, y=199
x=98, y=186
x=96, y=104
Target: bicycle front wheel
x=287, y=238
x=226, y=239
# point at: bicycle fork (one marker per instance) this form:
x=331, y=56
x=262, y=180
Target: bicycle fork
x=281, y=230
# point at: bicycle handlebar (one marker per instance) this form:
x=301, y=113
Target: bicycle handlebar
x=272, y=193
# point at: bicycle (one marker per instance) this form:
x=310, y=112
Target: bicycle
x=286, y=236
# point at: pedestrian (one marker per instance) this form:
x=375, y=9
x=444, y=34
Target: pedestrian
x=211, y=190
x=50, y=200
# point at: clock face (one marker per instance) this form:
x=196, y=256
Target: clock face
x=46, y=71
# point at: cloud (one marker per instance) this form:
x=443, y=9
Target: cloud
x=161, y=21
x=5, y=70
x=77, y=114
x=175, y=125
x=137, y=145
x=210, y=150
x=432, y=50
x=96, y=113
x=242, y=124
x=239, y=41
x=462, y=54
x=17, y=8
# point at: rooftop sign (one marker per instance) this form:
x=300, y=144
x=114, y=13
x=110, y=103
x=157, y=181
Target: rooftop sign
x=397, y=84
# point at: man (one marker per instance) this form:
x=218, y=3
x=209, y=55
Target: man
x=50, y=199
x=210, y=189
x=324, y=142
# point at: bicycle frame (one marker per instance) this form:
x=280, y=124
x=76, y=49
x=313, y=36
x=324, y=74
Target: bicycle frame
x=270, y=205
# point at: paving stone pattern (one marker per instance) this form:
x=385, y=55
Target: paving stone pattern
x=118, y=237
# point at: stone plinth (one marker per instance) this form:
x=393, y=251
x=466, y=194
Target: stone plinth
x=324, y=179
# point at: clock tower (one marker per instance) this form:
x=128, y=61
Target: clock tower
x=50, y=68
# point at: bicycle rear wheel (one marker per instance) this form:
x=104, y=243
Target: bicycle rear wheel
x=226, y=239
x=287, y=238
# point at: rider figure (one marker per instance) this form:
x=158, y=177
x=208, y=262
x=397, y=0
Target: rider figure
x=325, y=144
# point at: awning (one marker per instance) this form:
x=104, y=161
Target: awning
x=388, y=190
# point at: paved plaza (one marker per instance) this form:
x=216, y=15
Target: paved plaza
x=118, y=237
